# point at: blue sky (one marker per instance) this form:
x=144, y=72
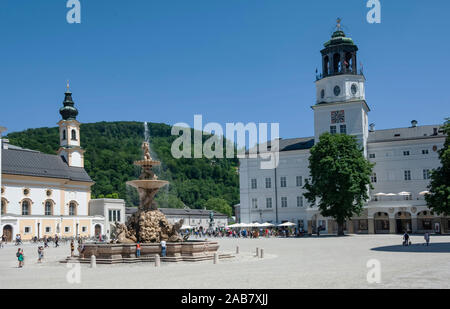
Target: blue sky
x=229, y=60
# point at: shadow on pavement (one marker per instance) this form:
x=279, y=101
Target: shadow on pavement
x=442, y=247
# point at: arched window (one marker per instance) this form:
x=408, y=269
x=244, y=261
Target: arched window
x=74, y=135
x=3, y=206
x=336, y=63
x=48, y=208
x=72, y=209
x=326, y=66
x=26, y=208
x=64, y=135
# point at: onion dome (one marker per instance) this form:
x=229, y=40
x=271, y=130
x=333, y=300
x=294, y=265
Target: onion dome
x=68, y=111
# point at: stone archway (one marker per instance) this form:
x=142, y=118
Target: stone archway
x=8, y=232
x=403, y=222
x=382, y=224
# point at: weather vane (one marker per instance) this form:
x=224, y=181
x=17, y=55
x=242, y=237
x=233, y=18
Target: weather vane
x=67, y=85
x=338, y=21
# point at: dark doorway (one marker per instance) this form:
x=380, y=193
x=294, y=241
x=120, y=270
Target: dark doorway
x=7, y=232
x=98, y=230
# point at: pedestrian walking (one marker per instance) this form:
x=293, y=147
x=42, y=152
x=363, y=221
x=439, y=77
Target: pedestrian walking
x=40, y=254
x=20, y=257
x=427, y=238
x=72, y=247
x=163, y=248
x=56, y=241
x=406, y=241
x=138, y=250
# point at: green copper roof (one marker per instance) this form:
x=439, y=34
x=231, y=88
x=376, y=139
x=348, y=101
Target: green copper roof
x=338, y=38
x=68, y=112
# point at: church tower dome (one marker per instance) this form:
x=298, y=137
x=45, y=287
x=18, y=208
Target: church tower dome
x=68, y=111
x=69, y=133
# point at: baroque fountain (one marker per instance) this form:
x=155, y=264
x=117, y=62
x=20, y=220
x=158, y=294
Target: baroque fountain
x=149, y=227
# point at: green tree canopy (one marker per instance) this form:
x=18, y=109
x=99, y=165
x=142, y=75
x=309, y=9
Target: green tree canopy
x=112, y=147
x=219, y=205
x=340, y=177
x=439, y=198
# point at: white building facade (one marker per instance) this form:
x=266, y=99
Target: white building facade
x=44, y=195
x=404, y=158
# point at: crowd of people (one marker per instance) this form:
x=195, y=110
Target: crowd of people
x=243, y=232
x=195, y=233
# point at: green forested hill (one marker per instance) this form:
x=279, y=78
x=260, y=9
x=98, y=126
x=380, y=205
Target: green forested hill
x=112, y=147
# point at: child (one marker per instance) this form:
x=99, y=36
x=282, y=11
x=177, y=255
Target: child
x=40, y=254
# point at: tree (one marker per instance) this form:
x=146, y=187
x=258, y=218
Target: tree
x=438, y=199
x=219, y=205
x=340, y=177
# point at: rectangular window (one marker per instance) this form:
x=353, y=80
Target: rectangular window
x=254, y=203
x=284, y=202
x=299, y=201
x=110, y=215
x=254, y=183
x=268, y=183
x=66, y=229
x=406, y=153
x=283, y=182
x=114, y=216
x=372, y=156
x=343, y=129
x=27, y=230
x=425, y=151
x=118, y=215
x=373, y=178
x=426, y=174
x=333, y=129
x=269, y=202
x=407, y=175
x=299, y=181
x=84, y=229
x=48, y=229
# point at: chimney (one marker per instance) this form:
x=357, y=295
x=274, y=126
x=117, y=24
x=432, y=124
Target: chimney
x=413, y=123
x=372, y=127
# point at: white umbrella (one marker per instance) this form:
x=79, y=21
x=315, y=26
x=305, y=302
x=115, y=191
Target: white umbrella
x=391, y=194
x=287, y=224
x=403, y=193
x=266, y=224
x=380, y=194
x=424, y=192
x=186, y=227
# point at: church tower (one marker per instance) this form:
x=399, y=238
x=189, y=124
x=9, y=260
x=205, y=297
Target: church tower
x=340, y=94
x=69, y=133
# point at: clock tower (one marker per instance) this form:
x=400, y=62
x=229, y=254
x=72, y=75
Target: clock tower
x=340, y=106
x=69, y=133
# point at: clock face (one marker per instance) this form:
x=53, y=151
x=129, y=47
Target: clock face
x=337, y=90
x=338, y=116
x=354, y=89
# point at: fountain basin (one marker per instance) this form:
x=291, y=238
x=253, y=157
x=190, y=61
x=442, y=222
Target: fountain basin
x=190, y=251
x=147, y=184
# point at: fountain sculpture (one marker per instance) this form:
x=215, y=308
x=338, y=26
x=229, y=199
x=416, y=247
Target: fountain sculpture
x=149, y=227
x=148, y=224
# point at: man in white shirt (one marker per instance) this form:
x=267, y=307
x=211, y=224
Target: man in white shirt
x=163, y=248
